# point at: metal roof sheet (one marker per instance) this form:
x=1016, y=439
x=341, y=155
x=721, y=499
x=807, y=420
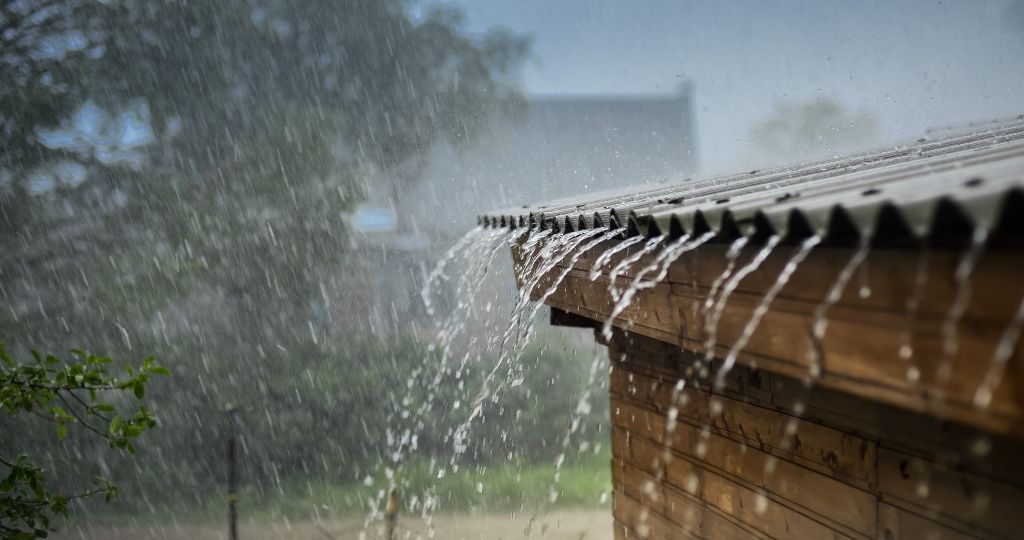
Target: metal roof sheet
x=933, y=190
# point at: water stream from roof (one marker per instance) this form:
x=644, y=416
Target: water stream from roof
x=997, y=364
x=707, y=307
x=625, y=264
x=603, y=235
x=762, y=307
x=438, y=272
x=474, y=254
x=544, y=258
x=583, y=408
x=819, y=320
x=605, y=257
x=547, y=258
x=962, y=299
x=569, y=248
x=913, y=307
x=731, y=255
x=661, y=263
x=727, y=289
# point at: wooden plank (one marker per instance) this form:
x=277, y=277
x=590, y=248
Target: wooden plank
x=690, y=512
x=972, y=501
x=871, y=368
x=889, y=274
x=898, y=524
x=681, y=514
x=839, y=454
x=755, y=509
x=620, y=444
x=621, y=531
x=637, y=420
x=638, y=485
x=647, y=524
x=834, y=501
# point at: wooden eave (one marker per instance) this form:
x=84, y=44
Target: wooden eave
x=860, y=352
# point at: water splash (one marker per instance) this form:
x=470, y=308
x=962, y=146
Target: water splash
x=605, y=257
x=819, y=322
x=951, y=323
x=583, y=408
x=762, y=308
x=997, y=365
x=478, y=258
x=437, y=274
x=727, y=290
x=661, y=263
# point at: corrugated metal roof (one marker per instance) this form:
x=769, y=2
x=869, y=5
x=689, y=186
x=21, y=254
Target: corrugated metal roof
x=939, y=190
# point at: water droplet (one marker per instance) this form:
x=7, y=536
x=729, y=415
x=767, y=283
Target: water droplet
x=760, y=504
x=981, y=447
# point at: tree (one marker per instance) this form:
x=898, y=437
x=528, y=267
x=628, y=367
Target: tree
x=64, y=392
x=812, y=129
x=264, y=115
x=261, y=119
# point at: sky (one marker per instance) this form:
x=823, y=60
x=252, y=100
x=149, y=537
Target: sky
x=914, y=65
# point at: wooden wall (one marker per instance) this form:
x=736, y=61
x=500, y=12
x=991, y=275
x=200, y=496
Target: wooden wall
x=860, y=353
x=766, y=457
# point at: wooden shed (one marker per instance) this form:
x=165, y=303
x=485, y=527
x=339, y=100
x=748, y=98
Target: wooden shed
x=822, y=351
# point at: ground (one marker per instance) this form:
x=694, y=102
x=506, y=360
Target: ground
x=557, y=525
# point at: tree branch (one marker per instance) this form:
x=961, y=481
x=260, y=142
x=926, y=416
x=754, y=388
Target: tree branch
x=89, y=408
x=72, y=412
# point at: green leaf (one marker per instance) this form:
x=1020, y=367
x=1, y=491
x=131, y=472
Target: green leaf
x=5, y=357
x=139, y=389
x=62, y=430
x=115, y=424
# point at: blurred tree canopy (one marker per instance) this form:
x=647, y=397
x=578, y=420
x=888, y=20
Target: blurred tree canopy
x=813, y=129
x=223, y=137
x=175, y=178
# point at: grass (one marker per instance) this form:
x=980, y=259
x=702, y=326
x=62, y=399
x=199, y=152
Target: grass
x=584, y=482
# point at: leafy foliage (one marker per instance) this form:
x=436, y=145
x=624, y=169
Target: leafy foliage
x=80, y=391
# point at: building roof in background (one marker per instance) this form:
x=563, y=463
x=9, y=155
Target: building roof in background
x=940, y=191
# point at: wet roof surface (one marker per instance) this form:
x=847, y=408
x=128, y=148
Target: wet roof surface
x=934, y=190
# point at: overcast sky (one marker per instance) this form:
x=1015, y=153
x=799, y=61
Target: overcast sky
x=914, y=65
